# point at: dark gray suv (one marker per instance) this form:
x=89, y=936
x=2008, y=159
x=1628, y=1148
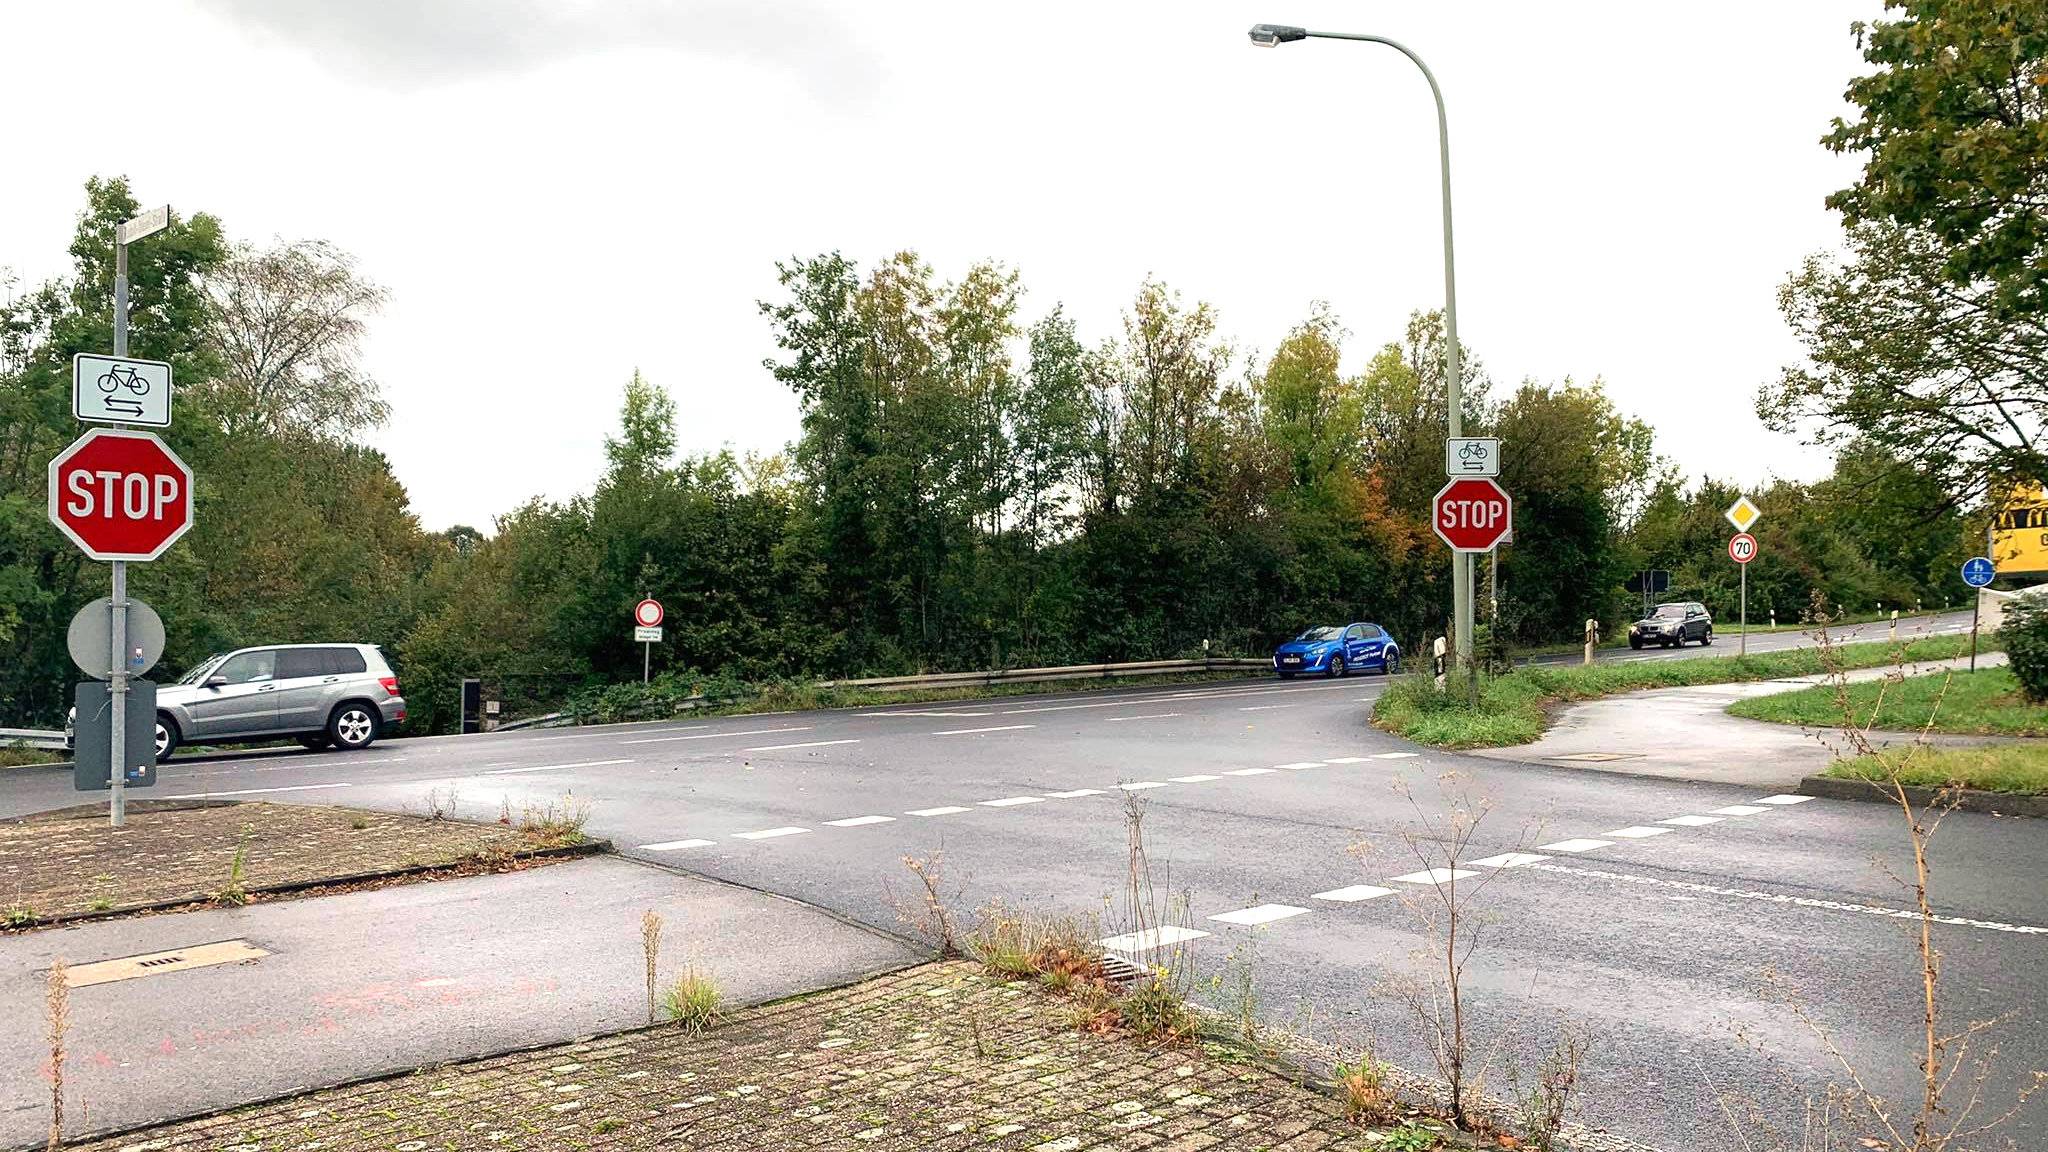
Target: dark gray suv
x=325, y=695
x=1672, y=625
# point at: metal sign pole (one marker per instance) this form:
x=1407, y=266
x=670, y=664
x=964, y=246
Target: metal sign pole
x=646, y=660
x=117, y=667
x=1742, y=641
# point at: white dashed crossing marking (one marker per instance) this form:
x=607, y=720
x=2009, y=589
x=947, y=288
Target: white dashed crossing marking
x=1151, y=938
x=1261, y=708
x=1509, y=860
x=1249, y=772
x=1298, y=766
x=1580, y=844
x=1435, y=876
x=675, y=845
x=1796, y=901
x=1259, y=914
x=1395, y=755
x=1347, y=760
x=1740, y=810
x=1012, y=801
x=975, y=731
x=1781, y=801
x=1074, y=794
x=769, y=833
x=536, y=768
x=946, y=810
x=1141, y=785
x=1195, y=779
x=1354, y=893
x=1637, y=832
x=858, y=821
x=1692, y=821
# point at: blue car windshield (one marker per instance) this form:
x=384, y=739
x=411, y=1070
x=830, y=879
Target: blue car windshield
x=1324, y=633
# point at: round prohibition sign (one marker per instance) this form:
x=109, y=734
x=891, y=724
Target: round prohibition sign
x=647, y=613
x=1742, y=547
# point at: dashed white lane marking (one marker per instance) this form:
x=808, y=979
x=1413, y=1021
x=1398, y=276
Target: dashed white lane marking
x=907, y=713
x=1435, y=876
x=1740, y=810
x=945, y=810
x=675, y=845
x=1578, y=844
x=1140, y=785
x=1298, y=765
x=1797, y=901
x=1636, y=832
x=1781, y=801
x=554, y=767
x=769, y=833
x=717, y=735
x=1346, y=760
x=1692, y=821
x=1354, y=893
x=1509, y=860
x=973, y=731
x=1012, y=801
x=608, y=732
x=1394, y=755
x=254, y=791
x=1249, y=772
x=805, y=744
x=1198, y=778
x=1151, y=938
x=1261, y=708
x=1074, y=794
x=858, y=821
x=1259, y=914
x=1146, y=716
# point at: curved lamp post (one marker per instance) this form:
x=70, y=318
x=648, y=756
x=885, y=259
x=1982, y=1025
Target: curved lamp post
x=1273, y=35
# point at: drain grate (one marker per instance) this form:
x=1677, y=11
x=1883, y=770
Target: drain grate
x=1120, y=971
x=157, y=963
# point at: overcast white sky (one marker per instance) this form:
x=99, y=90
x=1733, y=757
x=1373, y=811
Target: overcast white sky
x=558, y=191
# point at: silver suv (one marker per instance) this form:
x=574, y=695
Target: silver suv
x=325, y=695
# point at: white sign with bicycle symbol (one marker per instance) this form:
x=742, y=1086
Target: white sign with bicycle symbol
x=118, y=390
x=1464, y=456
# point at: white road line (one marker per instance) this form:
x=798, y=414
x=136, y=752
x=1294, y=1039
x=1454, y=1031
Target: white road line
x=223, y=767
x=1740, y=810
x=1579, y=844
x=1146, y=716
x=1435, y=876
x=1797, y=901
x=805, y=744
x=1262, y=707
x=1354, y=893
x=974, y=731
x=769, y=833
x=1012, y=801
x=254, y=791
x=1198, y=778
x=1395, y=755
x=554, y=767
x=1074, y=794
x=947, y=810
x=676, y=845
x=1259, y=914
x=1150, y=939
x=1782, y=801
x=717, y=735
x=1141, y=785
x=1509, y=860
x=1636, y=832
x=1249, y=772
x=858, y=821
x=926, y=714
x=613, y=733
x=1346, y=760
x=1297, y=765
x=1691, y=821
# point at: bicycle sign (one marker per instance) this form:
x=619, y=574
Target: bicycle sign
x=120, y=390
x=1470, y=456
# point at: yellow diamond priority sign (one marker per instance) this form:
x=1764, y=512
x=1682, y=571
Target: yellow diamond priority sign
x=1742, y=513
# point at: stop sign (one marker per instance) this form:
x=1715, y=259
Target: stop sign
x=1472, y=514
x=120, y=495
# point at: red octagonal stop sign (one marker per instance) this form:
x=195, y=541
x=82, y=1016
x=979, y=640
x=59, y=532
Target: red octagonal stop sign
x=1472, y=514
x=120, y=495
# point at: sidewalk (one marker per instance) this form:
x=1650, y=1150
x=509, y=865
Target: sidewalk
x=935, y=1058
x=1686, y=734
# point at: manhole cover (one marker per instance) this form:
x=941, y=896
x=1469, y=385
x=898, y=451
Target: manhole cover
x=1600, y=757
x=157, y=963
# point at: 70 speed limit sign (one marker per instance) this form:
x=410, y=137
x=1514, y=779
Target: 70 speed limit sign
x=1742, y=547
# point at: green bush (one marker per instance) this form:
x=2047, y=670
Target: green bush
x=2025, y=636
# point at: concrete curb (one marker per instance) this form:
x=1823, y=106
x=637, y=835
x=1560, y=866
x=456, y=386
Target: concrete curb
x=1966, y=799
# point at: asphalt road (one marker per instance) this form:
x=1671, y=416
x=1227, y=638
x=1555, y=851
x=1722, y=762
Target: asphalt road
x=1702, y=959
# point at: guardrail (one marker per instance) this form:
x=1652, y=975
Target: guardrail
x=1043, y=675
x=31, y=738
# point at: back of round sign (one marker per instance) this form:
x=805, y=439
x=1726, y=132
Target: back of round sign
x=90, y=638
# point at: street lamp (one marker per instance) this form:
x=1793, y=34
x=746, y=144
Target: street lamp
x=1274, y=35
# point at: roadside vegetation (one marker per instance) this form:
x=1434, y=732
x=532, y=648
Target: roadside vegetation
x=1987, y=702
x=2015, y=769
x=1513, y=706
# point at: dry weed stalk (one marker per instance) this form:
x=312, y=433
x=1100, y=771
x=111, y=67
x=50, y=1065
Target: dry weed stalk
x=57, y=996
x=650, y=946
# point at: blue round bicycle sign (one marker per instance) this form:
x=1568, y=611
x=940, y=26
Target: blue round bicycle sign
x=1978, y=572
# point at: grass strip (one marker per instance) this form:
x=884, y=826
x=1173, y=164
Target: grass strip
x=1986, y=702
x=2015, y=769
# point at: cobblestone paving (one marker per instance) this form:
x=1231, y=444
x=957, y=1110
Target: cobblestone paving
x=934, y=1058
x=73, y=861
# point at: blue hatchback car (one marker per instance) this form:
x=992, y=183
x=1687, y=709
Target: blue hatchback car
x=1332, y=651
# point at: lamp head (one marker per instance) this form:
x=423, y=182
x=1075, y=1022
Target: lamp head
x=1271, y=35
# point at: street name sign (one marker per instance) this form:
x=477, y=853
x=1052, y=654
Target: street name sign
x=1979, y=572
x=154, y=220
x=1472, y=456
x=1472, y=514
x=1742, y=547
x=120, y=495
x=1743, y=513
x=120, y=390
